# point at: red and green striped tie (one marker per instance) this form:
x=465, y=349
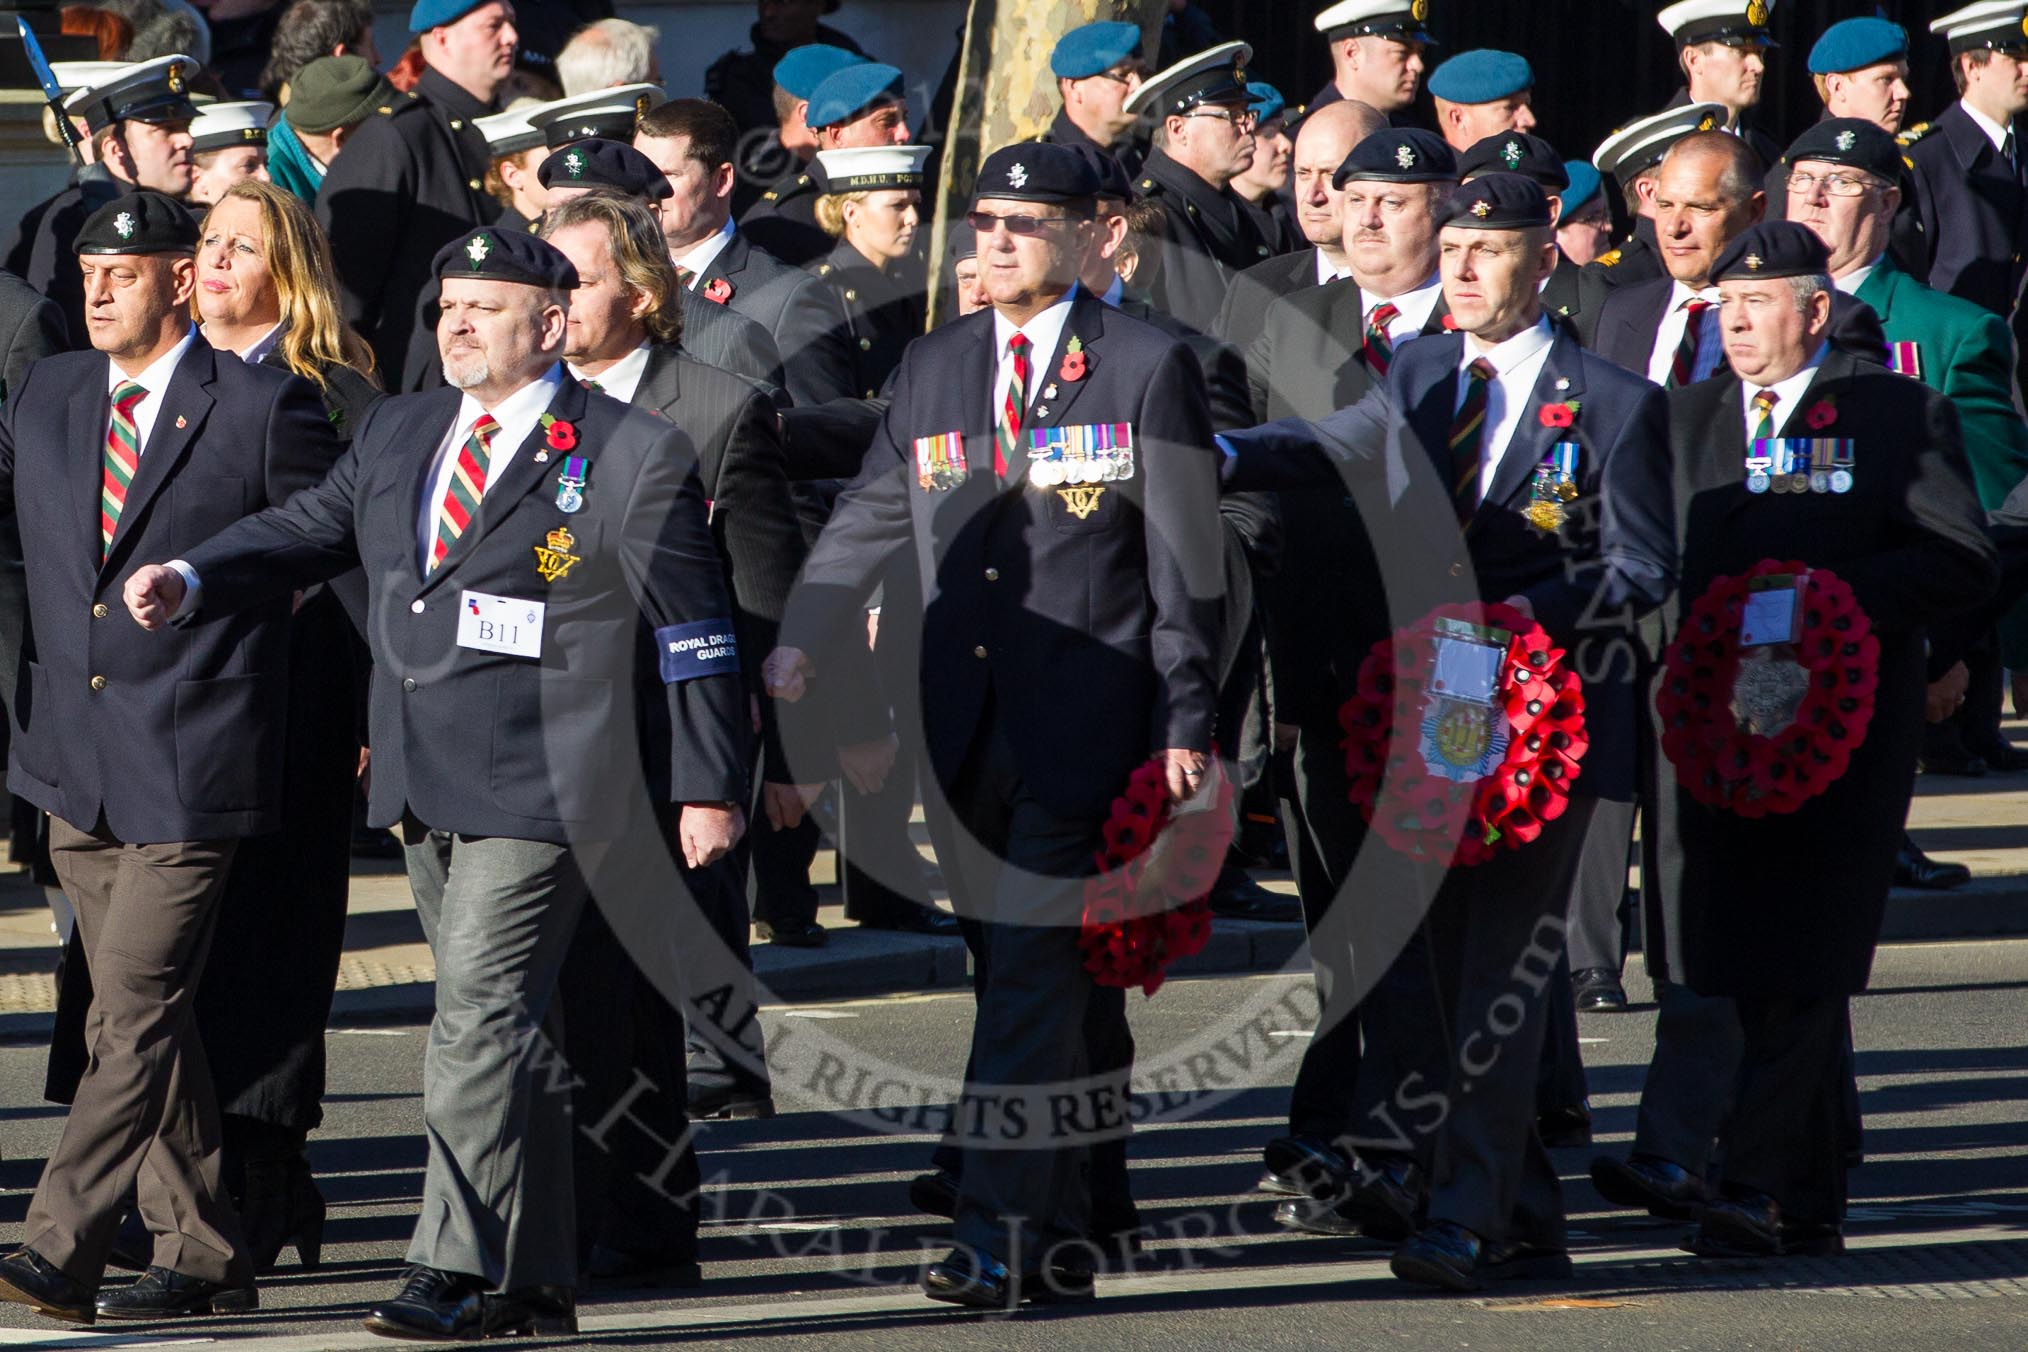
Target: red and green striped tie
x=123, y=457
x=1466, y=432
x=1007, y=442
x=467, y=486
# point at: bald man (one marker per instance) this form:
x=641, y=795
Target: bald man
x=1323, y=140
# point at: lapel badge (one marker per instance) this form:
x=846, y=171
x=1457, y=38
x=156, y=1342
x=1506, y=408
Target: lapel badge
x=553, y=557
x=182, y=421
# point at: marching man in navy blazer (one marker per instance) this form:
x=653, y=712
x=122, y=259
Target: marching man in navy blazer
x=153, y=756
x=516, y=531
x=1068, y=635
x=1458, y=433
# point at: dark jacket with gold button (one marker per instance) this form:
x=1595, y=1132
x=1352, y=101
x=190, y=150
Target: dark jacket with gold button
x=410, y=181
x=784, y=221
x=1208, y=236
x=884, y=313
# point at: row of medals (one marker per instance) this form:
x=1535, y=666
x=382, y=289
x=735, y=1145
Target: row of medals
x=1050, y=473
x=1552, y=491
x=1816, y=481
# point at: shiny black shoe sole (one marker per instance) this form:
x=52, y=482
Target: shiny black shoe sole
x=243, y=1301
x=736, y=1110
x=1308, y=1173
x=1427, y=1270
x=87, y=1314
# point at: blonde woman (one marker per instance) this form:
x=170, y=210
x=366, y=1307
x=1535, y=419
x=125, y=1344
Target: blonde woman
x=873, y=210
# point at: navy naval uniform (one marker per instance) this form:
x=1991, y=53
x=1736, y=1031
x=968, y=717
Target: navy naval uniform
x=1973, y=208
x=1208, y=237
x=784, y=221
x=39, y=252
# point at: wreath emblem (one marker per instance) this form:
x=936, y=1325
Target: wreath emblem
x=1147, y=906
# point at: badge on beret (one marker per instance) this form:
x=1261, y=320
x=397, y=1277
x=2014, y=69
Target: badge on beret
x=1845, y=140
x=1752, y=262
x=1017, y=177
x=124, y=223
x=1511, y=153
x=1482, y=209
x=478, y=249
x=1404, y=156
x=573, y=164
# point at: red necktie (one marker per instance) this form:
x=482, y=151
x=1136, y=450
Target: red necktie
x=1379, y=347
x=122, y=458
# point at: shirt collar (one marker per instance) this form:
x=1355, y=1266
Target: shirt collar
x=155, y=379
x=704, y=253
x=1856, y=278
x=1042, y=331
x=526, y=404
x=1415, y=306
x=1680, y=292
x=1116, y=291
x=1327, y=273
x=1513, y=352
x=1995, y=133
x=1789, y=393
x=623, y=378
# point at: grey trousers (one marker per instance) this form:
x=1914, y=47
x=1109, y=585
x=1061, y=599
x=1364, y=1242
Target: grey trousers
x=144, y=1119
x=1597, y=939
x=497, y=1201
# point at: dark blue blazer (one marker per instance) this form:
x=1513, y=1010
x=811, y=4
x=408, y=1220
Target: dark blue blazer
x=1974, y=211
x=1095, y=636
x=480, y=743
x=1588, y=583
x=170, y=736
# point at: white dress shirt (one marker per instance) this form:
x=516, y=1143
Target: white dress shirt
x=518, y=415
x=622, y=378
x=704, y=253
x=1710, y=342
x=1044, y=334
x=1517, y=363
x=1995, y=133
x=1788, y=397
x=1856, y=278
x=1415, y=308
x=155, y=380
x=1326, y=272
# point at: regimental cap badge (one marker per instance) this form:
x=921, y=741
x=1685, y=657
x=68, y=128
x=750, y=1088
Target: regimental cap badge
x=1756, y=13
x=1845, y=140
x=1482, y=208
x=1419, y=10
x=1239, y=73
x=124, y=224
x=573, y=164
x=1752, y=262
x=1511, y=153
x=175, y=79
x=1708, y=122
x=1017, y=176
x=1404, y=156
x=478, y=249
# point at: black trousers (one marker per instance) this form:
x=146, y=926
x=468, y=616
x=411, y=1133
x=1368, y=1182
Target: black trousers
x=1786, y=1139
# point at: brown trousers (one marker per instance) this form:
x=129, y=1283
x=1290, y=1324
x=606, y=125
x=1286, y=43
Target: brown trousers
x=144, y=1121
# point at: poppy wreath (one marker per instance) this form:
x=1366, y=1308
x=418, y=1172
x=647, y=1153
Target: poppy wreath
x=1428, y=816
x=1145, y=909
x=1717, y=762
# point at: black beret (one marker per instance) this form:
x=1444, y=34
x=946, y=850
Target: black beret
x=1850, y=141
x=605, y=164
x=1773, y=249
x=506, y=256
x=1498, y=201
x=963, y=242
x=142, y=222
x=1113, y=182
x=1037, y=171
x=1399, y=155
x=1516, y=152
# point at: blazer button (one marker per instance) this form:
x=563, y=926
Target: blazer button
x=474, y=184
x=992, y=575
x=457, y=124
x=415, y=607
x=99, y=682
x=1457, y=570
x=100, y=611
x=865, y=344
x=408, y=683
x=979, y=651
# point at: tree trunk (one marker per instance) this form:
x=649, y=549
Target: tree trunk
x=1006, y=93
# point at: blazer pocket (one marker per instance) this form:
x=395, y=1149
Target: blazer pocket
x=227, y=745
x=37, y=719
x=548, y=743
x=1082, y=509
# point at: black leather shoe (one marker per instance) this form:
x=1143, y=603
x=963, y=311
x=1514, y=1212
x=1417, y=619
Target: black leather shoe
x=1656, y=1186
x=432, y=1306
x=934, y=1194
x=708, y=1101
x=1566, y=1126
x=796, y=934
x=1598, y=989
x=918, y=921
x=27, y=1278
x=1514, y=1260
x=1236, y=896
x=2001, y=756
x=611, y=1269
x=1279, y=1185
x=160, y=1293
x=1312, y=1166
x=1446, y=1255
x=543, y=1311
x=973, y=1279
x=1317, y=1218
x=1387, y=1200
x=1913, y=868
x=1748, y=1224
x=1953, y=763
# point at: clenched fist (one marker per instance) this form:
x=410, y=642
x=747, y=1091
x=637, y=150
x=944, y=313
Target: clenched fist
x=153, y=595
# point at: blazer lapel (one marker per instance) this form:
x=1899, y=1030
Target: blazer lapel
x=1532, y=442
x=1087, y=324
x=91, y=409
x=184, y=406
x=1837, y=366
x=661, y=386
x=432, y=425
x=505, y=491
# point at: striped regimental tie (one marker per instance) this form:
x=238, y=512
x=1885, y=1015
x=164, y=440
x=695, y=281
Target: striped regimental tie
x=123, y=457
x=467, y=486
x=1467, y=432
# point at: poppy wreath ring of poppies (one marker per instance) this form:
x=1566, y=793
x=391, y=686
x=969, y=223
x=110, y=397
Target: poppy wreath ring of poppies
x=1146, y=908
x=1430, y=816
x=1722, y=765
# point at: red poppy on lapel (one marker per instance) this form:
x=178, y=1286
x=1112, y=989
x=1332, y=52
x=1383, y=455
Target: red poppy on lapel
x=1073, y=361
x=1450, y=323
x=718, y=289
x=1558, y=415
x=562, y=435
x=1821, y=415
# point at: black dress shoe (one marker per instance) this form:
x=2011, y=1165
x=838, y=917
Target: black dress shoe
x=1312, y=1165
x=1566, y=1126
x=974, y=1279
x=919, y=920
x=794, y=934
x=1387, y=1201
x=1279, y=1185
x=1317, y=1218
x=432, y=1306
x=1446, y=1255
x=1598, y=989
x=1657, y=1186
x=162, y=1294
x=543, y=1311
x=935, y=1194
x=1514, y=1260
x=613, y=1269
x=2001, y=756
x=1953, y=763
x=1913, y=868
x=27, y=1278
x=738, y=1101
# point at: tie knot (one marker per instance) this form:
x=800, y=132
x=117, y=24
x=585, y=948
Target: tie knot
x=127, y=394
x=1383, y=315
x=1481, y=369
x=1018, y=345
x=1766, y=400
x=684, y=275
x=1695, y=306
x=484, y=426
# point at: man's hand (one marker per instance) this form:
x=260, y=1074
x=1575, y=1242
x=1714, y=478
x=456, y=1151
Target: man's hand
x=865, y=764
x=784, y=675
x=1186, y=773
x=708, y=831
x=785, y=804
x=152, y=594
x=1946, y=693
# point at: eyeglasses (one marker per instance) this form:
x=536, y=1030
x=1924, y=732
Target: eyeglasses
x=1125, y=75
x=1241, y=121
x=1837, y=185
x=983, y=222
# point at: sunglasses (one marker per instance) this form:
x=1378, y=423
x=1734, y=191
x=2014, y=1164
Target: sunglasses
x=982, y=222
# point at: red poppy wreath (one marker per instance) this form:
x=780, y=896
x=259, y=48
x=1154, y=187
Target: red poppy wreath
x=1729, y=755
x=1146, y=907
x=1478, y=775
